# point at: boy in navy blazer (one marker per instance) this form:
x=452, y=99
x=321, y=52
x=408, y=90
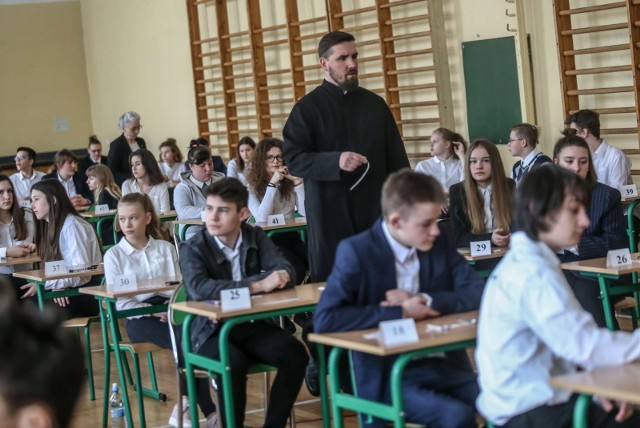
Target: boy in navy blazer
x=405, y=267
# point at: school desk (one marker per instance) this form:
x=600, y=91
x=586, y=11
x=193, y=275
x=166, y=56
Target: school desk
x=615, y=383
x=459, y=332
x=12, y=261
x=302, y=298
x=597, y=268
x=39, y=278
x=109, y=315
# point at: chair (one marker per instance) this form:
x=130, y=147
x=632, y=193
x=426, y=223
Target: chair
x=176, y=319
x=84, y=323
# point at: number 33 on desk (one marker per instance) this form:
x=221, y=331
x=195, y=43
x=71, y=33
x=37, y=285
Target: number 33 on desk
x=235, y=299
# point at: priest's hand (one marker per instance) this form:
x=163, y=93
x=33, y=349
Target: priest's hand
x=350, y=161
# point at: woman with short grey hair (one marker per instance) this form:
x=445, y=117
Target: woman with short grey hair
x=124, y=145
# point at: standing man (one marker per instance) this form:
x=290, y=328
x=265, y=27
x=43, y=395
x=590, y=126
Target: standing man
x=26, y=176
x=94, y=157
x=343, y=141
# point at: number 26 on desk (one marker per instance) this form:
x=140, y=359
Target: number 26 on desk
x=620, y=257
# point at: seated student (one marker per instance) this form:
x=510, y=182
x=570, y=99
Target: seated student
x=218, y=163
x=230, y=254
x=240, y=165
x=143, y=253
x=481, y=205
x=272, y=190
x=147, y=179
x=41, y=366
x=522, y=143
x=170, y=161
x=607, y=229
x=16, y=231
x=612, y=166
x=61, y=234
x=188, y=197
x=65, y=164
x=94, y=157
x=105, y=192
x=446, y=161
x=26, y=176
x=405, y=267
x=531, y=327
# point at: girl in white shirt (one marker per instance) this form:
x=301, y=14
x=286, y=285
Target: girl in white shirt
x=170, y=161
x=62, y=234
x=16, y=230
x=147, y=179
x=446, y=161
x=272, y=190
x=240, y=165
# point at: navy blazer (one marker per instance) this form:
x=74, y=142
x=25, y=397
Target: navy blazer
x=82, y=188
x=118, y=159
x=459, y=215
x=364, y=271
x=540, y=159
x=608, y=229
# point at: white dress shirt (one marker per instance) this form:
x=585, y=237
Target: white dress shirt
x=272, y=203
x=69, y=185
x=157, y=259
x=612, y=166
x=447, y=172
x=532, y=327
x=233, y=256
x=159, y=194
x=172, y=172
x=488, y=212
x=22, y=185
x=79, y=247
x=7, y=240
x=232, y=171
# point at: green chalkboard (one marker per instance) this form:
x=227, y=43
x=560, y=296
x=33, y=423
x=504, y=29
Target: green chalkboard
x=491, y=82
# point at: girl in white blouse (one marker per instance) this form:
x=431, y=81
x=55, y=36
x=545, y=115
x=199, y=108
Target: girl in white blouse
x=147, y=179
x=240, y=165
x=16, y=230
x=61, y=234
x=447, y=153
x=170, y=161
x=272, y=190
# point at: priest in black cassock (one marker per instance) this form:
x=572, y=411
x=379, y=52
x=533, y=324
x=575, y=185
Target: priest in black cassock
x=343, y=141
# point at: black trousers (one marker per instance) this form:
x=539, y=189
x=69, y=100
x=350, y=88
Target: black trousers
x=259, y=342
x=561, y=416
x=295, y=251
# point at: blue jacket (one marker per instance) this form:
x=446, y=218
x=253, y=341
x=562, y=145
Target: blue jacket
x=364, y=271
x=206, y=271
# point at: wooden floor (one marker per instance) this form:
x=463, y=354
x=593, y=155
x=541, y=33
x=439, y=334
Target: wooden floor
x=89, y=413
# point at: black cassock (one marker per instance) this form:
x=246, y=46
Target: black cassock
x=322, y=125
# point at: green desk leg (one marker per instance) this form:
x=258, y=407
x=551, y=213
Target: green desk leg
x=40, y=293
x=188, y=366
x=334, y=386
x=581, y=412
x=104, y=322
x=322, y=377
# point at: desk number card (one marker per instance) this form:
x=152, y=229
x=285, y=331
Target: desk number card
x=620, y=257
x=235, y=299
x=398, y=332
x=55, y=268
x=275, y=220
x=101, y=209
x=25, y=204
x=480, y=248
x=126, y=282
x=629, y=190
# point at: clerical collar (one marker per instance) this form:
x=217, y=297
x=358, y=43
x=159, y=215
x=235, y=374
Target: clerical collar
x=336, y=89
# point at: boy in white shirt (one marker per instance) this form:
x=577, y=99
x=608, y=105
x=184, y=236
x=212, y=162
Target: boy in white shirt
x=523, y=140
x=26, y=176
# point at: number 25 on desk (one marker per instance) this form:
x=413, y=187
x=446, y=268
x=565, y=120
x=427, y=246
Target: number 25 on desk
x=480, y=248
x=235, y=299
x=620, y=257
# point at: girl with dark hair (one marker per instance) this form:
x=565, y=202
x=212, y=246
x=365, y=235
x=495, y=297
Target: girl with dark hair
x=272, y=190
x=607, y=229
x=239, y=165
x=148, y=179
x=61, y=234
x=16, y=230
x=481, y=205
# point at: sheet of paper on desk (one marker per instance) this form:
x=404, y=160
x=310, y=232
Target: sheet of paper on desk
x=372, y=336
x=441, y=328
